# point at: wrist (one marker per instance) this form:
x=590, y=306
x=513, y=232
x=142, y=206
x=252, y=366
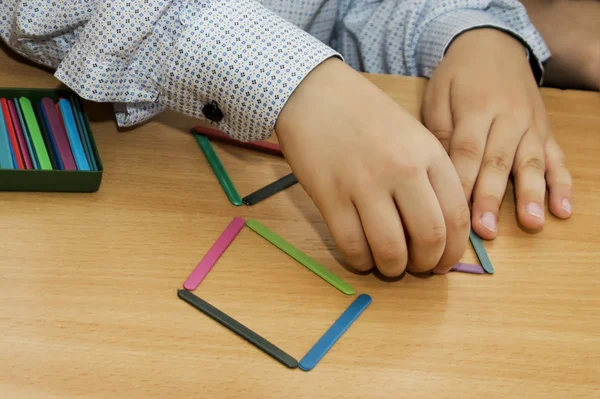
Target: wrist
x=306, y=102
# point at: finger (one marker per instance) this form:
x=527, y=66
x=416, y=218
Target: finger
x=345, y=226
x=468, y=146
x=558, y=179
x=423, y=221
x=383, y=229
x=493, y=177
x=437, y=112
x=457, y=216
x=530, y=183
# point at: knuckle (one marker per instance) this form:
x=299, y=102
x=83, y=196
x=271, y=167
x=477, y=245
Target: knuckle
x=482, y=102
x=436, y=237
x=499, y=161
x=389, y=253
x=404, y=167
x=520, y=114
x=467, y=149
x=355, y=252
x=534, y=163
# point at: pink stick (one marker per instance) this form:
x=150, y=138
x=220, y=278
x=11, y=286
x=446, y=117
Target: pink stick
x=214, y=253
x=468, y=268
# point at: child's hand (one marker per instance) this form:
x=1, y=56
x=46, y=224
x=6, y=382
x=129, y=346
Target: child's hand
x=484, y=106
x=383, y=183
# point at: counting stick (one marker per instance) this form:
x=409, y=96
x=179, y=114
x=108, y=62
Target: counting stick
x=262, y=146
x=301, y=257
x=335, y=332
x=220, y=172
x=270, y=190
x=214, y=253
x=238, y=328
x=484, y=259
x=468, y=268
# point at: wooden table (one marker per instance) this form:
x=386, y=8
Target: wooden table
x=88, y=305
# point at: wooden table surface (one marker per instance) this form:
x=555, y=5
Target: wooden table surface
x=88, y=304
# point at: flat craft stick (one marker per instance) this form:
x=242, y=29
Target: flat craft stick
x=35, y=133
x=270, y=190
x=220, y=172
x=13, y=135
x=6, y=155
x=73, y=134
x=468, y=268
x=301, y=257
x=30, y=147
x=335, y=332
x=484, y=259
x=43, y=123
x=238, y=328
x=213, y=254
x=59, y=134
x=20, y=135
x=262, y=146
x=83, y=132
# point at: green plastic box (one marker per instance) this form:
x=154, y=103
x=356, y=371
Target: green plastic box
x=72, y=181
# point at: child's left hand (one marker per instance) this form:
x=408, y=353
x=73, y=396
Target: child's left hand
x=484, y=105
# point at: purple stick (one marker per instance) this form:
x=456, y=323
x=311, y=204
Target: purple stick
x=468, y=268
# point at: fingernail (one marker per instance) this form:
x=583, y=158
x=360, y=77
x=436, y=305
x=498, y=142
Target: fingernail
x=488, y=219
x=566, y=205
x=534, y=209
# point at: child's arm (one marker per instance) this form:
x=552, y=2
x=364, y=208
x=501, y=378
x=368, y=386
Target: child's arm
x=384, y=185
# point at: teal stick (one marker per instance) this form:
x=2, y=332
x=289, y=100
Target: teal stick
x=219, y=169
x=484, y=259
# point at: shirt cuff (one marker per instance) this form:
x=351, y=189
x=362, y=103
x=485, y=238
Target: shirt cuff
x=234, y=58
x=239, y=58
x=440, y=33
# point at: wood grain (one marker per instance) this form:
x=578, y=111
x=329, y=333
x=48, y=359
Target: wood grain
x=88, y=305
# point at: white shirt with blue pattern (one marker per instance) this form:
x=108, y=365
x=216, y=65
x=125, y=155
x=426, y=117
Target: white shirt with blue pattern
x=246, y=56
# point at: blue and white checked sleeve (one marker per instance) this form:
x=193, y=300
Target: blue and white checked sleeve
x=247, y=56
x=410, y=37
x=147, y=55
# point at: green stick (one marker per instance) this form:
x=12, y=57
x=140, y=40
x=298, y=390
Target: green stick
x=301, y=257
x=220, y=172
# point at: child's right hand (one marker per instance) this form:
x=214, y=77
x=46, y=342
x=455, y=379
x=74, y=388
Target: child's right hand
x=383, y=183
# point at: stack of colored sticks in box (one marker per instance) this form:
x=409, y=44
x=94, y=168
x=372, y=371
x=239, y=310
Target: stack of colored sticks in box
x=45, y=135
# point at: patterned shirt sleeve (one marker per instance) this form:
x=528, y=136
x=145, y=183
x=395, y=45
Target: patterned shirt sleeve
x=410, y=37
x=147, y=55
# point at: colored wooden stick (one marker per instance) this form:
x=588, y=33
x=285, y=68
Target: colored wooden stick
x=335, y=332
x=301, y=257
x=238, y=328
x=484, y=259
x=468, y=268
x=270, y=190
x=262, y=146
x=213, y=254
x=220, y=172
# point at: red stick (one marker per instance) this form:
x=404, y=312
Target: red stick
x=262, y=146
